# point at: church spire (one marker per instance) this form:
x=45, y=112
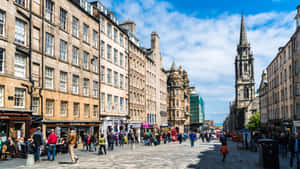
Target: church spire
x=243, y=34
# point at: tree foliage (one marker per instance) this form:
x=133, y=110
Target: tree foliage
x=254, y=122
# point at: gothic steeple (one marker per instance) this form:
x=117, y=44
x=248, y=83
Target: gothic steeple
x=243, y=34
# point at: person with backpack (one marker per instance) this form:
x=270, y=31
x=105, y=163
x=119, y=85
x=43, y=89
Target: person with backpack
x=111, y=140
x=37, y=141
x=72, y=142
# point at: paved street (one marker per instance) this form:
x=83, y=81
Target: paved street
x=170, y=156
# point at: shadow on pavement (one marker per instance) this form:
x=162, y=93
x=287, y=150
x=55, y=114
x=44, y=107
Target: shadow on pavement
x=209, y=158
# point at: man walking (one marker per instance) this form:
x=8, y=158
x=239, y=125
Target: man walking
x=37, y=141
x=52, y=138
x=110, y=139
x=102, y=145
x=192, y=138
x=292, y=149
x=72, y=138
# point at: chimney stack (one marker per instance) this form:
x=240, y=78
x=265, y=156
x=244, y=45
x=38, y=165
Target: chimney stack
x=129, y=25
x=297, y=17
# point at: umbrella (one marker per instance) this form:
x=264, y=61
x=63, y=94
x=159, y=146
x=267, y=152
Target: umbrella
x=244, y=130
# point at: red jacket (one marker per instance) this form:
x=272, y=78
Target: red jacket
x=52, y=139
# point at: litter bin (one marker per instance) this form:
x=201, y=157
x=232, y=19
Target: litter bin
x=268, y=154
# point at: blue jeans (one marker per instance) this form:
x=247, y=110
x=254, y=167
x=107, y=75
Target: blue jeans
x=37, y=153
x=298, y=159
x=192, y=142
x=52, y=148
x=111, y=146
x=85, y=145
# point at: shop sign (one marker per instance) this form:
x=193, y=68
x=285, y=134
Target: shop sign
x=145, y=125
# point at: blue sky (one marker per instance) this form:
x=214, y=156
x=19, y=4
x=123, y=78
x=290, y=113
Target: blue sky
x=202, y=36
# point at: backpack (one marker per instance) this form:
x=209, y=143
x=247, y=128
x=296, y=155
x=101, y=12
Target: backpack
x=37, y=139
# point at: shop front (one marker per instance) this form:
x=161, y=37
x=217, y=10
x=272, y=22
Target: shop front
x=114, y=124
x=136, y=127
x=63, y=128
x=14, y=123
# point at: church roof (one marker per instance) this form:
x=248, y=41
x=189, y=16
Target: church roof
x=173, y=67
x=243, y=33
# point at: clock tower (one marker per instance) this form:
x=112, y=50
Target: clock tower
x=244, y=72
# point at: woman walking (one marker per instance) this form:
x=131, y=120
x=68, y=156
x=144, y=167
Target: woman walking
x=224, y=150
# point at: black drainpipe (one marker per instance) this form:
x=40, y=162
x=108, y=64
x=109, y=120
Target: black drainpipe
x=99, y=67
x=42, y=51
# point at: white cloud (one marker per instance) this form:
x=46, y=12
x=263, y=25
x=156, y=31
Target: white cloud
x=207, y=47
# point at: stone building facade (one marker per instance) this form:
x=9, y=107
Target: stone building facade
x=178, y=99
x=137, y=79
x=156, y=88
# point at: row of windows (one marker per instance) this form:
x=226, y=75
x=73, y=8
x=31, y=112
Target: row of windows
x=151, y=118
x=63, y=83
x=113, y=103
x=65, y=109
x=118, y=57
x=118, y=78
x=19, y=97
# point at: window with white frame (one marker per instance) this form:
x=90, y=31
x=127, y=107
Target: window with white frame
x=116, y=100
x=102, y=27
x=109, y=105
x=49, y=10
x=49, y=107
x=126, y=105
x=1, y=96
x=63, y=81
x=115, y=56
x=63, y=50
x=95, y=89
x=75, y=55
x=20, y=66
x=102, y=73
x=121, y=81
x=19, y=97
x=76, y=109
x=115, y=34
x=75, y=26
x=86, y=110
x=63, y=19
x=95, y=111
x=102, y=101
x=21, y=2
x=121, y=39
x=108, y=50
x=86, y=84
x=49, y=78
x=85, y=60
x=95, y=38
x=116, y=79
x=1, y=60
x=95, y=64
x=75, y=84
x=2, y=23
x=20, y=32
x=49, y=44
x=63, y=109
x=109, y=76
x=102, y=49
x=121, y=59
x=121, y=104
x=35, y=105
x=85, y=33
x=108, y=29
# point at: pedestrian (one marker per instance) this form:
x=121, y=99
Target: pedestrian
x=169, y=136
x=246, y=141
x=164, y=137
x=116, y=139
x=110, y=139
x=52, y=139
x=121, y=139
x=192, y=138
x=37, y=141
x=224, y=150
x=72, y=140
x=102, y=145
x=180, y=138
x=291, y=146
x=84, y=141
x=202, y=136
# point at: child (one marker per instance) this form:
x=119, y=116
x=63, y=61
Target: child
x=224, y=150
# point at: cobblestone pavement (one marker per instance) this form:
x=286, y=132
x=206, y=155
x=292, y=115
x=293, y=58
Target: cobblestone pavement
x=169, y=156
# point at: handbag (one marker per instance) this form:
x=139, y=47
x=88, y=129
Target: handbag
x=75, y=146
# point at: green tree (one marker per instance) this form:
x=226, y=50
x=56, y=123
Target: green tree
x=254, y=122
